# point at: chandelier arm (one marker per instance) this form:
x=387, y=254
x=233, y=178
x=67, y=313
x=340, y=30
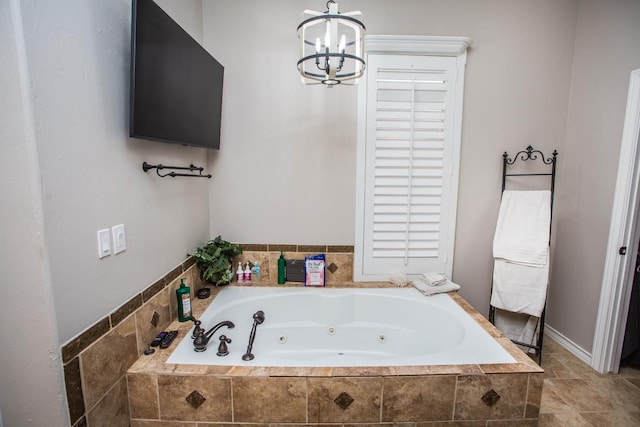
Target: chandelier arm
x=326, y=17
x=333, y=55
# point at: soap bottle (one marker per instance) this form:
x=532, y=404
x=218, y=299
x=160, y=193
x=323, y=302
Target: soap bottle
x=247, y=273
x=282, y=265
x=183, y=293
x=255, y=272
x=240, y=274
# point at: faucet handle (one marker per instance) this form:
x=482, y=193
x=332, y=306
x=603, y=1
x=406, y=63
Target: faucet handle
x=223, y=350
x=196, y=329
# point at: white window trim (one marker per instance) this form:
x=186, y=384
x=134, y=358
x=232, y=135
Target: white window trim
x=406, y=45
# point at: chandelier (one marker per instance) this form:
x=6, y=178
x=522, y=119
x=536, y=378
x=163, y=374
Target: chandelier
x=331, y=46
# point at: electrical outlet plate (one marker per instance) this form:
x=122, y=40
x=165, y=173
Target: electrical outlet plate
x=119, y=240
x=104, y=243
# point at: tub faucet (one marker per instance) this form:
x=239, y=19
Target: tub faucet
x=202, y=338
x=258, y=318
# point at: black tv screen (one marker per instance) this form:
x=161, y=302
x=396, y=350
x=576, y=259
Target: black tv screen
x=176, y=85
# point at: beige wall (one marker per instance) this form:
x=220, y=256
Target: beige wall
x=607, y=50
x=286, y=169
x=30, y=369
x=69, y=169
x=78, y=63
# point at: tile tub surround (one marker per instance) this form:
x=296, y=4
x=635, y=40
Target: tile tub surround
x=339, y=259
x=96, y=361
x=500, y=394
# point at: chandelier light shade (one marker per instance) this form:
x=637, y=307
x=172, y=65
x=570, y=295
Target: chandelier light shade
x=331, y=46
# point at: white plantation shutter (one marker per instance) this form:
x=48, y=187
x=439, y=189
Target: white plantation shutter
x=408, y=208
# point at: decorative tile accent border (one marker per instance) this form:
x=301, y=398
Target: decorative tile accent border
x=74, y=389
x=126, y=309
x=277, y=247
x=84, y=340
x=343, y=400
x=195, y=399
x=490, y=398
x=332, y=267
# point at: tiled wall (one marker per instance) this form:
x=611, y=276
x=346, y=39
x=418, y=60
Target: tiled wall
x=96, y=361
x=424, y=400
x=339, y=259
x=162, y=394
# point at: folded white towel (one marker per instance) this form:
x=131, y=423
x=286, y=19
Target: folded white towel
x=434, y=279
x=427, y=290
x=519, y=288
x=522, y=230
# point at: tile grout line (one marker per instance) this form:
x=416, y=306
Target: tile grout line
x=232, y=399
x=455, y=397
x=526, y=399
x=85, y=412
x=126, y=380
x=381, y=396
x=157, y=396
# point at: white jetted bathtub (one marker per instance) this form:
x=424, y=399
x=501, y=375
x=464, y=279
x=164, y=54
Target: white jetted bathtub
x=318, y=327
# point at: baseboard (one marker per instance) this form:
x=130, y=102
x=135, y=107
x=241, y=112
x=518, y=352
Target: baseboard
x=569, y=345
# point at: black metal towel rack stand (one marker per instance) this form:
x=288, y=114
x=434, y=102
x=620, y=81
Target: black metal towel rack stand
x=146, y=166
x=530, y=154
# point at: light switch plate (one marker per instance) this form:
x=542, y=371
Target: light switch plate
x=119, y=240
x=104, y=243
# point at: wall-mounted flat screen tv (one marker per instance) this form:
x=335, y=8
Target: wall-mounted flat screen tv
x=176, y=85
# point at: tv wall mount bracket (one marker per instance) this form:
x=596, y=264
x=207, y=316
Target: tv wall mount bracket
x=191, y=168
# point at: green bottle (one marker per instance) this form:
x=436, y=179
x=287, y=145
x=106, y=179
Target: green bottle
x=281, y=268
x=184, y=302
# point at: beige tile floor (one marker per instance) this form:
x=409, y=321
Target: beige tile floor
x=576, y=395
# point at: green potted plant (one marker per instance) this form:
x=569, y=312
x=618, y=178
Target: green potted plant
x=214, y=260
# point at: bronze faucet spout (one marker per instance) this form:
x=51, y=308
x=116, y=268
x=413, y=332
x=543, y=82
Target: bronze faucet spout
x=202, y=338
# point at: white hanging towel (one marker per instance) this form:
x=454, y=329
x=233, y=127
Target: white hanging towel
x=521, y=252
x=519, y=288
x=522, y=230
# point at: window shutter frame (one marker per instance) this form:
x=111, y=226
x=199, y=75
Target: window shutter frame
x=448, y=55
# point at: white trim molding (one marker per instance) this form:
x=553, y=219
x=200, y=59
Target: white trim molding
x=618, y=269
x=417, y=45
x=567, y=344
